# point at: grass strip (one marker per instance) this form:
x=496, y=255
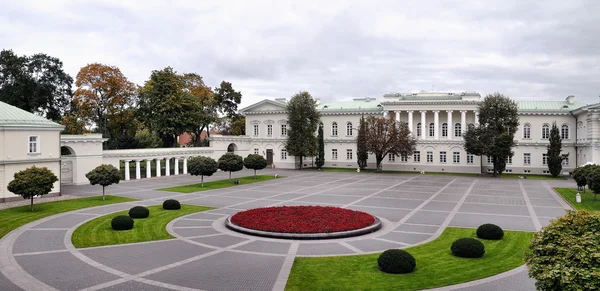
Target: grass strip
x=587, y=198
x=347, y=170
x=218, y=184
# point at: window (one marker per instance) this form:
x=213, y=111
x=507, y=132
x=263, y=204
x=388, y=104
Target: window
x=34, y=144
x=527, y=130
x=508, y=160
x=256, y=151
x=564, y=131
x=403, y=158
x=431, y=129
x=334, y=154
x=334, y=129
x=349, y=154
x=456, y=157
x=545, y=131
x=430, y=157
x=544, y=159
x=490, y=160
x=527, y=159
x=391, y=158
x=457, y=130
x=256, y=130
x=444, y=129
x=417, y=156
x=284, y=154
x=349, y=129
x=284, y=130
x=269, y=129
x=469, y=158
x=418, y=129
x=442, y=157
x=565, y=161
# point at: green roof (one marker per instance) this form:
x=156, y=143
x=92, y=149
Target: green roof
x=349, y=106
x=11, y=116
x=549, y=105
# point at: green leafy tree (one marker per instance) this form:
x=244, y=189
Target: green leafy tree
x=202, y=166
x=255, y=162
x=321, y=154
x=303, y=119
x=565, y=254
x=148, y=139
x=104, y=175
x=494, y=135
x=231, y=162
x=386, y=136
x=555, y=158
x=32, y=182
x=580, y=175
x=205, y=99
x=593, y=179
x=362, y=152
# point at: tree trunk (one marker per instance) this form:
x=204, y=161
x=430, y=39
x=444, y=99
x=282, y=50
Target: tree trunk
x=301, y=162
x=494, y=160
x=31, y=203
x=378, y=159
x=254, y=173
x=202, y=181
x=103, y=193
x=229, y=176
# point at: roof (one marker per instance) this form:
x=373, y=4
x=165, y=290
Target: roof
x=349, y=106
x=548, y=105
x=11, y=116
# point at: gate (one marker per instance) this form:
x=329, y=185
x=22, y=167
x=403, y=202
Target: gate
x=66, y=172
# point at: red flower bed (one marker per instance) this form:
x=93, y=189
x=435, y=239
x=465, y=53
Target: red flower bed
x=302, y=219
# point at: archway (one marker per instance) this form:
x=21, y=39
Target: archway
x=67, y=151
x=231, y=148
x=66, y=164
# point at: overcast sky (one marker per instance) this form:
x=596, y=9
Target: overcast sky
x=336, y=50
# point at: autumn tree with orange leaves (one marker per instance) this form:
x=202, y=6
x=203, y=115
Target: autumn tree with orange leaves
x=386, y=136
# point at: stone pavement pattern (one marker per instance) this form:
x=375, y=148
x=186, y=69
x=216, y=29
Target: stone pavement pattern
x=207, y=256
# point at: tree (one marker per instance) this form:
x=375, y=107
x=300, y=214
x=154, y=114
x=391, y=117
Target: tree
x=104, y=175
x=580, y=175
x=202, y=166
x=206, y=101
x=234, y=125
x=494, y=135
x=321, y=154
x=593, y=179
x=303, y=119
x=554, y=156
x=362, y=153
x=564, y=256
x=231, y=162
x=32, y=182
x=386, y=136
x=255, y=162
x=36, y=83
x=148, y=139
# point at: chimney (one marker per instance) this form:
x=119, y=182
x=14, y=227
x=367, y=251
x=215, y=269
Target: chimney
x=571, y=99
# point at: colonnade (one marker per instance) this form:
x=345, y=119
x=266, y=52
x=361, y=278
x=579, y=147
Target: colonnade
x=424, y=131
x=158, y=173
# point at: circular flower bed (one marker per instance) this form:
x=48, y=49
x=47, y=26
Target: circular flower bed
x=296, y=221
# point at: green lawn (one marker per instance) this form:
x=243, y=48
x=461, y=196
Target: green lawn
x=529, y=176
x=18, y=216
x=436, y=266
x=218, y=184
x=346, y=170
x=587, y=198
x=98, y=232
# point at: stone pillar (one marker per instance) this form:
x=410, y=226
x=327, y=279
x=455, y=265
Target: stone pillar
x=148, y=169
x=185, y=165
x=450, y=125
x=423, y=125
x=158, y=167
x=398, y=116
x=127, y=175
x=476, y=117
x=176, y=166
x=436, y=124
x=410, y=121
x=463, y=122
x=167, y=167
x=138, y=173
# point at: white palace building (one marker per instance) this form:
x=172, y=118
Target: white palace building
x=438, y=121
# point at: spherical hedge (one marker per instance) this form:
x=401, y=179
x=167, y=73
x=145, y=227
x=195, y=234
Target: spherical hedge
x=490, y=231
x=122, y=222
x=171, y=204
x=468, y=248
x=396, y=261
x=139, y=212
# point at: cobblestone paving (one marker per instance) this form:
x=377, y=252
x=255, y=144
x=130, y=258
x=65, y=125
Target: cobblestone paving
x=205, y=255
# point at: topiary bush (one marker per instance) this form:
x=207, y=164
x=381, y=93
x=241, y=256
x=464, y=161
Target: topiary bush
x=467, y=248
x=122, y=222
x=139, y=212
x=396, y=261
x=490, y=231
x=171, y=204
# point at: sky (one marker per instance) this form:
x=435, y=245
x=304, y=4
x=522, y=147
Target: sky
x=335, y=50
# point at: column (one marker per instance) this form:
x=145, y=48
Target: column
x=463, y=122
x=384, y=114
x=167, y=167
x=450, y=125
x=176, y=166
x=436, y=124
x=127, y=177
x=410, y=119
x=157, y=167
x=476, y=117
x=148, y=169
x=398, y=116
x=423, y=126
x=185, y=165
x=138, y=173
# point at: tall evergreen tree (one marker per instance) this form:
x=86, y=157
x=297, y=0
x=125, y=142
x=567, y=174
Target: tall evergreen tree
x=554, y=157
x=362, y=153
x=494, y=135
x=303, y=119
x=321, y=155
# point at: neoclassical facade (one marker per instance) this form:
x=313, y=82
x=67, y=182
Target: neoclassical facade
x=437, y=121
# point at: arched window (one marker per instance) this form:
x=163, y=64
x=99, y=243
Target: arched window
x=457, y=129
x=419, y=129
x=545, y=131
x=527, y=130
x=564, y=131
x=334, y=129
x=349, y=129
x=431, y=129
x=444, y=129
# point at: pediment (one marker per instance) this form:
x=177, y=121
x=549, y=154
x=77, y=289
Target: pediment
x=265, y=105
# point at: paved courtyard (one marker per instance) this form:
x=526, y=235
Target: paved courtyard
x=207, y=256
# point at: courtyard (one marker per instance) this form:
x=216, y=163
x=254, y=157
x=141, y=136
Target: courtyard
x=205, y=255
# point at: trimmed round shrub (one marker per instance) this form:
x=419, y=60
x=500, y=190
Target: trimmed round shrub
x=396, y=261
x=139, y=212
x=171, y=204
x=122, y=222
x=468, y=248
x=490, y=231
